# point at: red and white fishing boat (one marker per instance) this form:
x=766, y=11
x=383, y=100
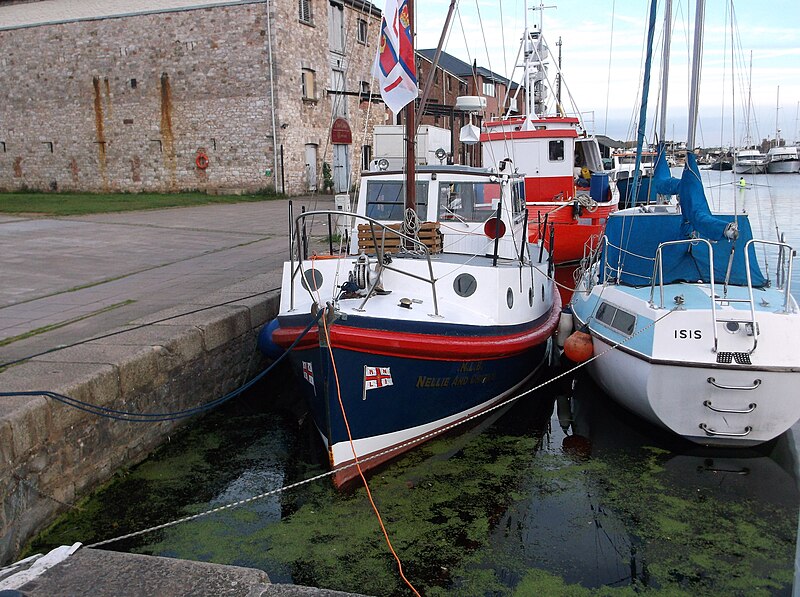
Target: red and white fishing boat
x=565, y=186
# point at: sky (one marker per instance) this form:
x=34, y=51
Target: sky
x=603, y=58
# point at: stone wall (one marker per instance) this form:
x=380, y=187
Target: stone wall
x=126, y=103
x=52, y=454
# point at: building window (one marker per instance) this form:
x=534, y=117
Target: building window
x=364, y=90
x=339, y=97
x=462, y=88
x=449, y=84
x=308, y=84
x=366, y=156
x=436, y=77
x=362, y=31
x=556, y=151
x=336, y=27
x=488, y=89
x=305, y=15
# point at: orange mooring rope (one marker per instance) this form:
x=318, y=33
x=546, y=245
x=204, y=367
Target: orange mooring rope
x=358, y=465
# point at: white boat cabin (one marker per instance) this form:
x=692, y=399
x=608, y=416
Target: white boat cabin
x=459, y=202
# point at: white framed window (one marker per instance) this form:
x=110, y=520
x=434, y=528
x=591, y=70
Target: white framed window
x=336, y=27
x=339, y=98
x=362, y=31
x=489, y=89
x=304, y=13
x=308, y=83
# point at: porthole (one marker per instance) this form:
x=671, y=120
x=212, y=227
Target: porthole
x=312, y=279
x=530, y=297
x=510, y=298
x=542, y=292
x=465, y=285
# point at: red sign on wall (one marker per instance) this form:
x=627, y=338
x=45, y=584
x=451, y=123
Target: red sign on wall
x=340, y=132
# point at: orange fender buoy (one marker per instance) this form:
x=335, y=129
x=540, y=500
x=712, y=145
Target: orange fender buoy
x=201, y=161
x=578, y=347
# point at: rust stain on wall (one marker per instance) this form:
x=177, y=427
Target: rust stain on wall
x=136, y=169
x=73, y=168
x=18, y=167
x=109, y=110
x=100, y=134
x=167, y=136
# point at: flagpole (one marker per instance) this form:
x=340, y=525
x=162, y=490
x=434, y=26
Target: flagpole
x=411, y=130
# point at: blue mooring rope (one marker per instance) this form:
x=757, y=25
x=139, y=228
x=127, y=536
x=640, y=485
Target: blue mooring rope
x=121, y=415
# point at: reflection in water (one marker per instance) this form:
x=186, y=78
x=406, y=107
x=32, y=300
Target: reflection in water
x=563, y=492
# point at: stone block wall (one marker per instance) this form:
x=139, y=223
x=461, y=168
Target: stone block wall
x=126, y=103
x=52, y=454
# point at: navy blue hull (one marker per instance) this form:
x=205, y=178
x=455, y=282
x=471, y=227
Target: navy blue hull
x=421, y=391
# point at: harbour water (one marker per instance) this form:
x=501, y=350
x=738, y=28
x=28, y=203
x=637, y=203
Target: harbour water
x=561, y=492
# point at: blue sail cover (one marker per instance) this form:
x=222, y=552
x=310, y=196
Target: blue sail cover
x=663, y=181
x=633, y=239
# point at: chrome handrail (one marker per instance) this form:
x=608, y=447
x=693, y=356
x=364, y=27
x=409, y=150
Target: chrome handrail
x=787, y=278
x=658, y=269
x=379, y=253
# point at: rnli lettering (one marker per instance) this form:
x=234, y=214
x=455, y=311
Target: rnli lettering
x=470, y=367
x=688, y=334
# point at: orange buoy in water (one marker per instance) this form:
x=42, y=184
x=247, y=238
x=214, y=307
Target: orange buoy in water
x=578, y=347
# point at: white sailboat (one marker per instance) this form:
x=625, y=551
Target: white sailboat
x=694, y=337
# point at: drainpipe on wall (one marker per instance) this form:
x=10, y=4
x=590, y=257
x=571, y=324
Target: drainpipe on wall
x=272, y=101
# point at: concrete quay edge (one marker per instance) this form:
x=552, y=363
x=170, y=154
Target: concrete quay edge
x=52, y=454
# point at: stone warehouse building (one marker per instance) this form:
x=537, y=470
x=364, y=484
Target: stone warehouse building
x=169, y=95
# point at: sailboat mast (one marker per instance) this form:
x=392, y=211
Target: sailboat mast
x=662, y=130
x=694, y=92
x=643, y=110
x=411, y=130
x=777, y=112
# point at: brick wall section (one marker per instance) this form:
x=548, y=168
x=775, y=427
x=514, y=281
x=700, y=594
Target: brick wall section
x=51, y=454
x=73, y=118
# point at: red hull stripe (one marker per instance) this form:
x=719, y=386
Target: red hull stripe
x=504, y=136
x=427, y=346
x=285, y=336
x=562, y=119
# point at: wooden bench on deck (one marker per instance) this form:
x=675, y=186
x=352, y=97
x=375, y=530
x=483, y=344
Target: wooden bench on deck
x=429, y=234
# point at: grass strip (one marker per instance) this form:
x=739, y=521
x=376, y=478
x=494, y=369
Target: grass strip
x=61, y=324
x=76, y=204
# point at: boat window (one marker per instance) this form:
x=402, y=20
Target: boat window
x=518, y=199
x=616, y=318
x=467, y=201
x=385, y=200
x=556, y=151
x=624, y=322
x=465, y=285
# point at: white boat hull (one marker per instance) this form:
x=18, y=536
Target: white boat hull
x=680, y=398
x=784, y=167
x=745, y=168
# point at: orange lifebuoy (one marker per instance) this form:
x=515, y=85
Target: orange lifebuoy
x=201, y=161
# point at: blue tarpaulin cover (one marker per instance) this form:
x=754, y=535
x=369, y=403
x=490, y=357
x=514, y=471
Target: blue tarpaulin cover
x=633, y=239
